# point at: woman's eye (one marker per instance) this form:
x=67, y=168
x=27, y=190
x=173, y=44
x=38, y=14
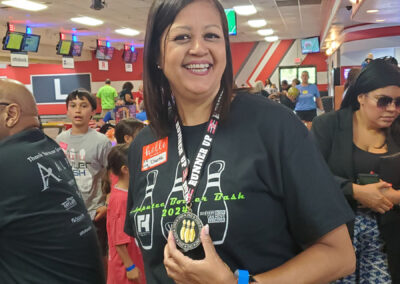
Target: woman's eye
x=212, y=36
x=181, y=37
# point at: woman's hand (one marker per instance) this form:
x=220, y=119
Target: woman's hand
x=370, y=195
x=183, y=269
x=134, y=274
x=391, y=194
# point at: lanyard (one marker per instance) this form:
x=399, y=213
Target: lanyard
x=189, y=187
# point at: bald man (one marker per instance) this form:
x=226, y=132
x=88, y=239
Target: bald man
x=46, y=235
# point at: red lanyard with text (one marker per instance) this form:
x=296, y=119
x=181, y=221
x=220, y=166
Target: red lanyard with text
x=189, y=187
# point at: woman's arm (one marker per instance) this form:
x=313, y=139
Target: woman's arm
x=329, y=258
x=319, y=103
x=128, y=98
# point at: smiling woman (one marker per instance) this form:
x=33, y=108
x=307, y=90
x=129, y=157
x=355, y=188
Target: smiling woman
x=215, y=183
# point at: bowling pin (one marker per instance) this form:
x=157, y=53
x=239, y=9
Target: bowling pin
x=145, y=220
x=192, y=234
x=176, y=193
x=187, y=232
x=182, y=232
x=218, y=223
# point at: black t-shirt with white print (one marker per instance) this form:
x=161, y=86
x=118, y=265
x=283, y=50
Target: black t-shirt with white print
x=46, y=235
x=265, y=190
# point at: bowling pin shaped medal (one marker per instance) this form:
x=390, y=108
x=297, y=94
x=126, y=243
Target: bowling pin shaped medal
x=187, y=226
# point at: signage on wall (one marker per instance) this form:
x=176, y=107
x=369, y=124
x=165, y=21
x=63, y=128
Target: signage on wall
x=19, y=60
x=68, y=62
x=128, y=67
x=55, y=88
x=103, y=65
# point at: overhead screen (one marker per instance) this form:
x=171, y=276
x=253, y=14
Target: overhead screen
x=77, y=48
x=232, y=24
x=310, y=45
x=129, y=56
x=13, y=41
x=30, y=43
x=64, y=47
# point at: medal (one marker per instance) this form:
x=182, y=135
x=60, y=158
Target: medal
x=186, y=231
x=187, y=226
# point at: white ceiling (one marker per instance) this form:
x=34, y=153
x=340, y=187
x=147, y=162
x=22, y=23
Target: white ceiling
x=388, y=11
x=288, y=18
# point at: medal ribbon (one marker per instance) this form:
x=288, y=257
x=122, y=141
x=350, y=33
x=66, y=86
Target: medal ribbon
x=189, y=187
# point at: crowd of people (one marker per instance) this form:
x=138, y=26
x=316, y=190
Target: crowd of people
x=220, y=187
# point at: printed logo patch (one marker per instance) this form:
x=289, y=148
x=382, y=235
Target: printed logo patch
x=155, y=154
x=305, y=92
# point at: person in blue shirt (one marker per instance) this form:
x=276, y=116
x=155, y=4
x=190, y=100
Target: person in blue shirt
x=306, y=105
x=141, y=115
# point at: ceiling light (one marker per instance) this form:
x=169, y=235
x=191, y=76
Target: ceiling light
x=329, y=51
x=257, y=23
x=271, y=38
x=87, y=21
x=265, y=32
x=380, y=20
x=245, y=10
x=25, y=5
x=353, y=1
x=334, y=45
x=372, y=11
x=127, y=31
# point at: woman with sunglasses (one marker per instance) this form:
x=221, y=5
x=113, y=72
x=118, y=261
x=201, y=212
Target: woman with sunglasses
x=353, y=141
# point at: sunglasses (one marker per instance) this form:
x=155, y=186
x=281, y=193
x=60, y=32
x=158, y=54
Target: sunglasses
x=385, y=101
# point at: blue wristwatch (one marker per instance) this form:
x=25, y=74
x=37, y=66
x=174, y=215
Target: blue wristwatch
x=243, y=276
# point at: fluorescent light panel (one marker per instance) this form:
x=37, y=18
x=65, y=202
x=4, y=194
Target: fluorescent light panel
x=127, y=31
x=380, y=20
x=265, y=32
x=87, y=21
x=271, y=38
x=245, y=10
x=372, y=11
x=257, y=23
x=25, y=5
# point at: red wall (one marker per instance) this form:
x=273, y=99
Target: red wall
x=240, y=51
x=116, y=72
x=116, y=69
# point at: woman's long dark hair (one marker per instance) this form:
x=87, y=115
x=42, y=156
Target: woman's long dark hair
x=378, y=74
x=157, y=91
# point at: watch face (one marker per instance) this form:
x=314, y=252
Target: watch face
x=186, y=230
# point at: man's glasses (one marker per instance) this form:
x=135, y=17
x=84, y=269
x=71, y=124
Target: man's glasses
x=385, y=101
x=4, y=104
